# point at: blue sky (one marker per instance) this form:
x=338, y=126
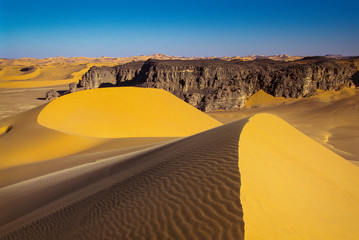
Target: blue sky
x=89, y=28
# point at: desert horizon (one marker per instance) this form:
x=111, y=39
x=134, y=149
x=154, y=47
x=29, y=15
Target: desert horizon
x=152, y=120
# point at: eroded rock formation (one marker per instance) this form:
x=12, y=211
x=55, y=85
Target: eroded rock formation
x=51, y=95
x=217, y=84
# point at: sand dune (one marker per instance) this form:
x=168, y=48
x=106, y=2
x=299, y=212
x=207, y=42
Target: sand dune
x=124, y=112
x=35, y=167
x=43, y=76
x=169, y=171
x=185, y=190
x=294, y=188
x=29, y=142
x=92, y=119
x=330, y=118
x=14, y=73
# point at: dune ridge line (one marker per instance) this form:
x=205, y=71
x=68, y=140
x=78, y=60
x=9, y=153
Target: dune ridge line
x=186, y=189
x=293, y=187
x=257, y=178
x=124, y=112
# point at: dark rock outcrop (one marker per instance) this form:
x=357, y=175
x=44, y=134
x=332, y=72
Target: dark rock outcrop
x=28, y=69
x=217, y=84
x=73, y=87
x=107, y=76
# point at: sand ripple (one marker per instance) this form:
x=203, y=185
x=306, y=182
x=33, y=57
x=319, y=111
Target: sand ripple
x=185, y=190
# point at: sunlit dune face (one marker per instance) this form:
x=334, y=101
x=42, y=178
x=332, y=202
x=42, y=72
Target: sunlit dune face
x=292, y=187
x=124, y=112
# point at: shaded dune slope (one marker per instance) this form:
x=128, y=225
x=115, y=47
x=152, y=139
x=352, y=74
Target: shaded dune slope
x=185, y=190
x=287, y=187
x=29, y=142
x=83, y=120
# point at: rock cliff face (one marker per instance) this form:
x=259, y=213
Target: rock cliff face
x=218, y=84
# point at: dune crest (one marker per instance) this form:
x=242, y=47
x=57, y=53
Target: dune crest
x=124, y=112
x=292, y=187
x=187, y=189
x=259, y=171
x=258, y=177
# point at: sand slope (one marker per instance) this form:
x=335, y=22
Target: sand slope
x=43, y=76
x=290, y=187
x=257, y=178
x=330, y=118
x=93, y=122
x=124, y=112
x=14, y=73
x=28, y=142
x=294, y=188
x=185, y=190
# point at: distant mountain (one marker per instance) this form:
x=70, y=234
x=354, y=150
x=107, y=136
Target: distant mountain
x=117, y=60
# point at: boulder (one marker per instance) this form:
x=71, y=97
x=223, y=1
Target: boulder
x=51, y=95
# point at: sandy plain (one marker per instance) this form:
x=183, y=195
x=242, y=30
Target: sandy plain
x=278, y=169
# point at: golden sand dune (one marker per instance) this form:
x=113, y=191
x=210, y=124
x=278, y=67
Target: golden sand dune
x=188, y=189
x=124, y=112
x=93, y=119
x=106, y=170
x=14, y=73
x=330, y=117
x=292, y=188
x=43, y=76
x=28, y=142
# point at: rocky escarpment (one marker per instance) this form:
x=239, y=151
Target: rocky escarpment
x=218, y=84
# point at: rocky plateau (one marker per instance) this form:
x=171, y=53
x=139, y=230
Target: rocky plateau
x=216, y=84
